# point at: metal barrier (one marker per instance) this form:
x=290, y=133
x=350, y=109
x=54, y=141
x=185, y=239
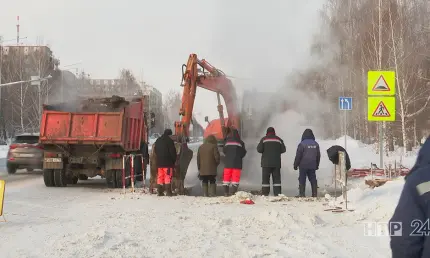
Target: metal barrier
x=388, y=172
x=132, y=176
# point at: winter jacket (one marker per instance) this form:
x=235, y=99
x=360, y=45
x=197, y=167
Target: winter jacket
x=208, y=157
x=333, y=155
x=271, y=147
x=234, y=151
x=165, y=150
x=413, y=211
x=308, y=153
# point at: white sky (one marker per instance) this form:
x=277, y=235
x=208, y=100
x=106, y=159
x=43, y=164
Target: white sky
x=259, y=42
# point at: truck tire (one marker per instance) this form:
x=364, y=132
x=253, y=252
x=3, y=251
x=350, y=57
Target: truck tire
x=75, y=180
x=60, y=178
x=11, y=169
x=111, y=178
x=83, y=177
x=119, y=179
x=48, y=177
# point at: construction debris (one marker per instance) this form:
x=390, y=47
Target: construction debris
x=372, y=183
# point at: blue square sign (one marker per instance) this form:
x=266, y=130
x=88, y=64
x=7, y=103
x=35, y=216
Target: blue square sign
x=345, y=103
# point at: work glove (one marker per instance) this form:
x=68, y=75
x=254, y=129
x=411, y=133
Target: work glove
x=295, y=168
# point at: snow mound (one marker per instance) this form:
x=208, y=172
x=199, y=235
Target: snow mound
x=376, y=204
x=243, y=196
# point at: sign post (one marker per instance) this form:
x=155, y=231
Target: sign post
x=2, y=190
x=345, y=104
x=381, y=102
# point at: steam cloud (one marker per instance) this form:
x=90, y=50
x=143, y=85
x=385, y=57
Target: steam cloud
x=262, y=46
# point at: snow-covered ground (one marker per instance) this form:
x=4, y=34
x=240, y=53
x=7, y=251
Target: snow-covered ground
x=89, y=221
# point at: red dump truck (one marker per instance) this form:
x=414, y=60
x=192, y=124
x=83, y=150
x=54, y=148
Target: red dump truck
x=90, y=138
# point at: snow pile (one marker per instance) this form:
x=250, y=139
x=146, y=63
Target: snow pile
x=376, y=204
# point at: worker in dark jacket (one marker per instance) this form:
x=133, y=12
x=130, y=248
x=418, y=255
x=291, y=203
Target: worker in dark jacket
x=413, y=211
x=166, y=158
x=208, y=159
x=333, y=156
x=307, y=159
x=183, y=161
x=271, y=147
x=234, y=151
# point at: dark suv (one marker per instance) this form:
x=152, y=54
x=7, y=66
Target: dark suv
x=25, y=153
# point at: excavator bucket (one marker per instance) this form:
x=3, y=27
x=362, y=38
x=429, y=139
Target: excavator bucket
x=185, y=155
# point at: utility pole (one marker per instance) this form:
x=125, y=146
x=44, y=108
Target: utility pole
x=381, y=124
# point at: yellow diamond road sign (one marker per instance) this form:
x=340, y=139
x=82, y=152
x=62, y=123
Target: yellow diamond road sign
x=381, y=83
x=381, y=108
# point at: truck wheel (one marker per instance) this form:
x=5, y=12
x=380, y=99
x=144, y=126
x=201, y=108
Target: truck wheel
x=48, y=177
x=60, y=178
x=75, y=180
x=11, y=169
x=111, y=178
x=83, y=177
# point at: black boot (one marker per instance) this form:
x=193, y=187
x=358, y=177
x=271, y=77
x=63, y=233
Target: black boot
x=314, y=187
x=212, y=190
x=265, y=190
x=160, y=190
x=277, y=190
x=205, y=189
x=302, y=189
x=168, y=188
x=234, y=189
x=226, y=191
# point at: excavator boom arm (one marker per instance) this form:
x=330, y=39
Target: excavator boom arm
x=209, y=78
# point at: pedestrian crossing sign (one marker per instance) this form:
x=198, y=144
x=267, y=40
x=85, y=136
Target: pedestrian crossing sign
x=381, y=83
x=381, y=109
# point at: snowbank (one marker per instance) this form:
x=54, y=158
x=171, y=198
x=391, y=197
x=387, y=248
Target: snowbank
x=376, y=204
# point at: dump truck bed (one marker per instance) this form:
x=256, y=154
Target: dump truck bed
x=123, y=126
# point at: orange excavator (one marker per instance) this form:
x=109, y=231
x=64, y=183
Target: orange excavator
x=199, y=73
